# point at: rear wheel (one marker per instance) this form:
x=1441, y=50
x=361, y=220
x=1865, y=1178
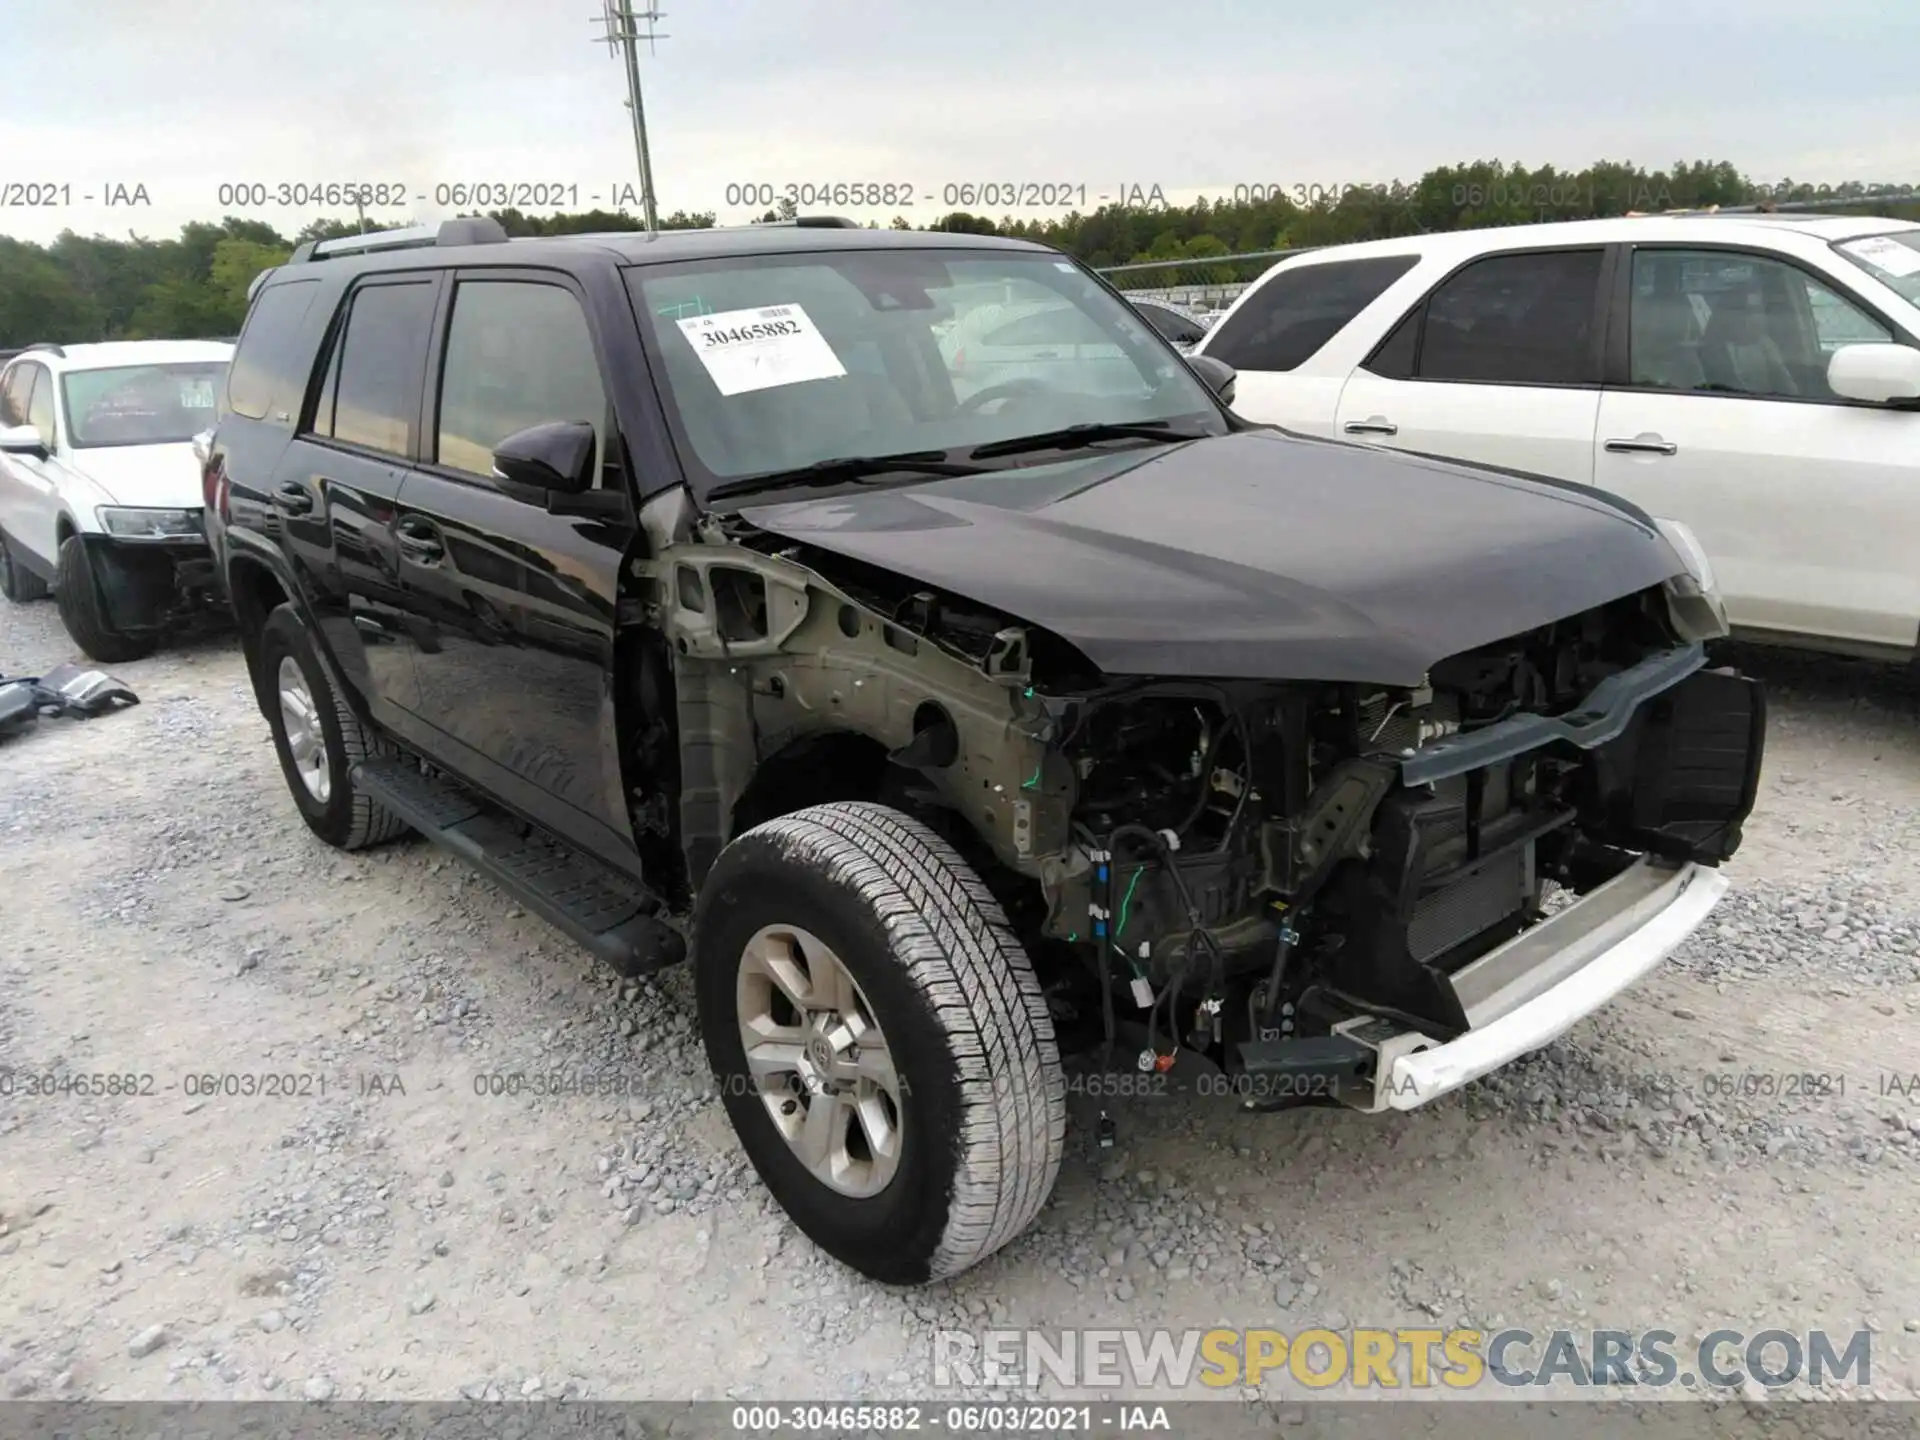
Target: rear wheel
x=84, y=613
x=881, y=1044
x=319, y=739
x=18, y=583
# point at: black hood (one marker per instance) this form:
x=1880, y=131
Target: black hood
x=1256, y=555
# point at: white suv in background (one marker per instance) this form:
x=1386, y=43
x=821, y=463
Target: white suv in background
x=100, y=488
x=1756, y=377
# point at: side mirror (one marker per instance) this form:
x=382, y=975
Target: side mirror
x=1878, y=374
x=556, y=456
x=1217, y=373
x=22, y=440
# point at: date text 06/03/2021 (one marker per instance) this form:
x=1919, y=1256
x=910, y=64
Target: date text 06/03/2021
x=1009, y=1418
x=950, y=195
x=46, y=1083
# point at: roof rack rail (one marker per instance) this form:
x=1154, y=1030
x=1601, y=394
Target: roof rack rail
x=815, y=222
x=48, y=346
x=467, y=230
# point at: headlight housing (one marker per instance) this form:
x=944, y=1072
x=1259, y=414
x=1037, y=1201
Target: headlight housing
x=1694, y=598
x=140, y=524
x=1692, y=553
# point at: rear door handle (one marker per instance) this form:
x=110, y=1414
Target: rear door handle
x=1372, y=425
x=1643, y=445
x=292, y=498
x=419, y=542
x=371, y=627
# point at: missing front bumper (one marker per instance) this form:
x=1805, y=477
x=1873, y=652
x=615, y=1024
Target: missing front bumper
x=1535, y=987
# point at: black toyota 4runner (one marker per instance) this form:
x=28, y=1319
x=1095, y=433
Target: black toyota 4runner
x=897, y=625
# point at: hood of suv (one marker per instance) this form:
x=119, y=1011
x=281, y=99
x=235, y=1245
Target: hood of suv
x=1255, y=555
x=164, y=477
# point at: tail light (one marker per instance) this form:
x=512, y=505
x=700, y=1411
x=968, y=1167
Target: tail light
x=213, y=485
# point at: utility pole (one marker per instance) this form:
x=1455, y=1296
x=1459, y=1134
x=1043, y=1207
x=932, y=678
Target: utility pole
x=623, y=39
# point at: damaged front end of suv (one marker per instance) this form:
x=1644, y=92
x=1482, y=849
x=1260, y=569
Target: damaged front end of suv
x=1365, y=882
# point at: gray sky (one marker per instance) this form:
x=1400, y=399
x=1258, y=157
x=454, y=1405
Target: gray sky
x=1194, y=97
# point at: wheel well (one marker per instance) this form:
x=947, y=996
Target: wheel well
x=64, y=530
x=815, y=770
x=255, y=591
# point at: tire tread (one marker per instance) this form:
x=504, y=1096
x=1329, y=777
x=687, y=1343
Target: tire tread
x=952, y=938
x=370, y=823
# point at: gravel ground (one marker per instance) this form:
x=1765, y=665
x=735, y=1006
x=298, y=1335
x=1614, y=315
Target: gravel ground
x=1735, y=1143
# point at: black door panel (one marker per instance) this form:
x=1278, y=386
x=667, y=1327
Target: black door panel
x=516, y=647
x=513, y=607
x=342, y=547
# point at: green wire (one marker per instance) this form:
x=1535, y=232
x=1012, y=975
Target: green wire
x=1029, y=784
x=1125, y=901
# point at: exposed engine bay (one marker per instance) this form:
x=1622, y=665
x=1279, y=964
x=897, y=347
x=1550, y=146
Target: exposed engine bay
x=1200, y=866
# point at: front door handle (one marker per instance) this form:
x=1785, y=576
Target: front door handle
x=1643, y=445
x=292, y=498
x=1372, y=425
x=419, y=542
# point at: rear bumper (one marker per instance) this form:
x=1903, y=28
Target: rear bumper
x=1532, y=989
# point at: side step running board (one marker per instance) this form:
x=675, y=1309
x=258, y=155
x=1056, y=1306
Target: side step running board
x=609, y=913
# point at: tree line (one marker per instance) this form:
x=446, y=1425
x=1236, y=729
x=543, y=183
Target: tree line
x=81, y=288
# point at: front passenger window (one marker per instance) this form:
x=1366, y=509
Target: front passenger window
x=1732, y=323
x=519, y=353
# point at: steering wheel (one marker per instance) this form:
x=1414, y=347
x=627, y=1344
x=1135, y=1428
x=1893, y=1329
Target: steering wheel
x=1024, y=387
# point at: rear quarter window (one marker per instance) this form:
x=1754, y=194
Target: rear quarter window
x=1286, y=321
x=271, y=363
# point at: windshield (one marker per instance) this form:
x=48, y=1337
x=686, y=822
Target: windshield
x=141, y=404
x=774, y=363
x=1893, y=260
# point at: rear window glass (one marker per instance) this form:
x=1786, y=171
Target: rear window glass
x=271, y=359
x=380, y=364
x=1286, y=321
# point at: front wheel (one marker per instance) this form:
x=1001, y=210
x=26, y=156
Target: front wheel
x=77, y=593
x=880, y=1041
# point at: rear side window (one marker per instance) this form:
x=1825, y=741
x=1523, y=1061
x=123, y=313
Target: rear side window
x=269, y=367
x=372, y=397
x=1523, y=319
x=1286, y=321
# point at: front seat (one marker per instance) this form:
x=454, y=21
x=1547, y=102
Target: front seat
x=1664, y=349
x=1739, y=354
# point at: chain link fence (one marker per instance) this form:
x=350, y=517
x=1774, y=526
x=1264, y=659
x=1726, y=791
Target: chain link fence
x=1209, y=284
x=1202, y=286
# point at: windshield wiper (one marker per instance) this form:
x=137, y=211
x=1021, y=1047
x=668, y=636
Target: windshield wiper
x=1074, y=436
x=844, y=468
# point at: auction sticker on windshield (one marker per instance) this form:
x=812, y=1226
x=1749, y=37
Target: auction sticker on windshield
x=1889, y=255
x=746, y=350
